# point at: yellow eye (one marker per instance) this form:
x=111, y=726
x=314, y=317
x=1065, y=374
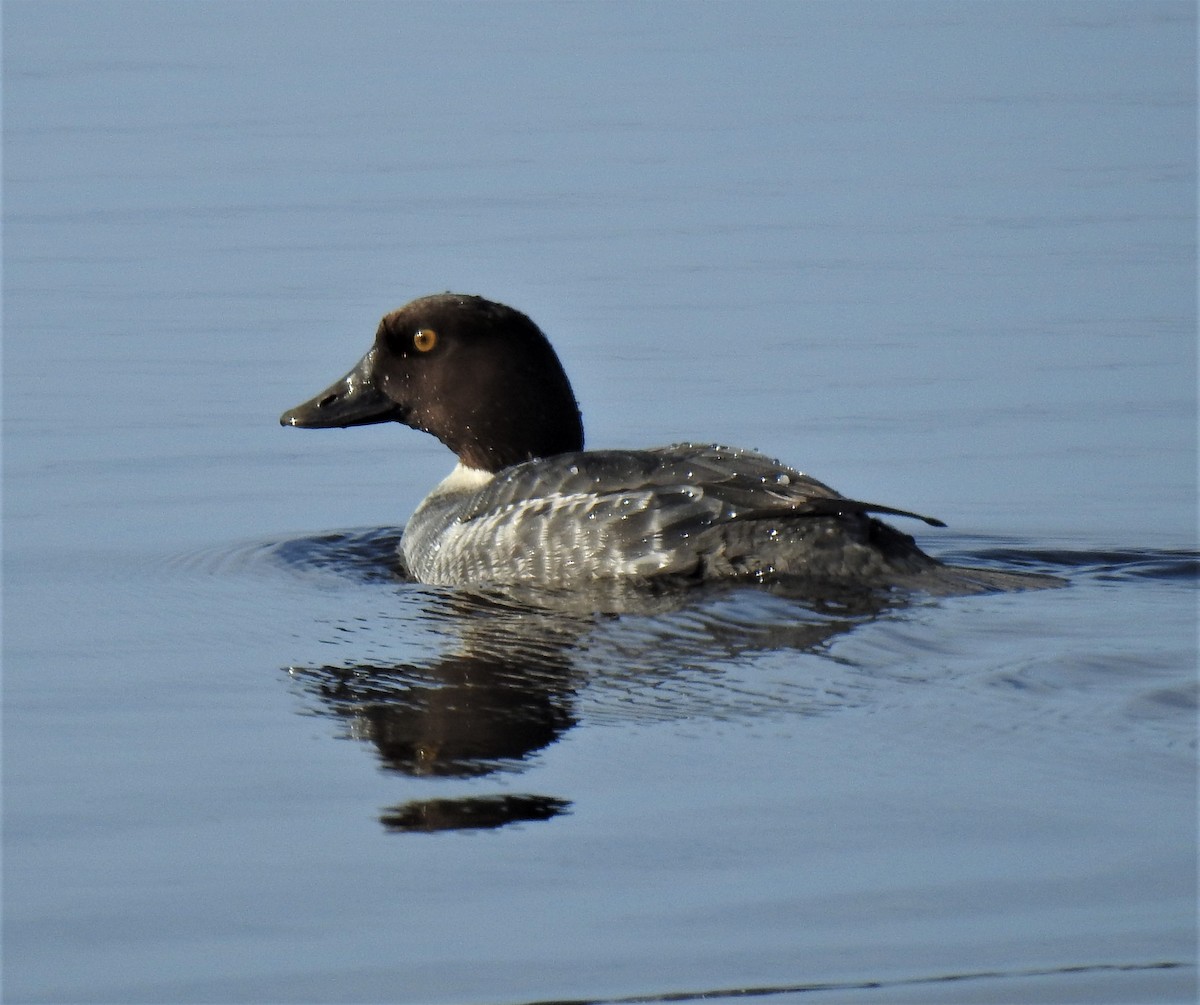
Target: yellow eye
x=425, y=340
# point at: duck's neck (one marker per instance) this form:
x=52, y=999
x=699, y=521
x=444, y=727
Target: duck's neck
x=462, y=479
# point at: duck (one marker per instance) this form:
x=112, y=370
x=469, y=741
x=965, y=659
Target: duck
x=527, y=505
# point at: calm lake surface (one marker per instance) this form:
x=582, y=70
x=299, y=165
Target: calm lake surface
x=940, y=255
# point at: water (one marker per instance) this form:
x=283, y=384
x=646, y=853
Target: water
x=940, y=255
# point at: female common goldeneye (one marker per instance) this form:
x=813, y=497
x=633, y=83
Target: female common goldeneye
x=526, y=504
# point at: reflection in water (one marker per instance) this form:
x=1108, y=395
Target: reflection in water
x=463, y=716
x=508, y=674
x=477, y=813
x=506, y=693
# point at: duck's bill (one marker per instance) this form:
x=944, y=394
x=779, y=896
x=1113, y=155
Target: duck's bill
x=354, y=400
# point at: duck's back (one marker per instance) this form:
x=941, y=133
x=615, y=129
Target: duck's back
x=688, y=512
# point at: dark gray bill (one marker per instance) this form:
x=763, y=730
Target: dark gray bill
x=355, y=400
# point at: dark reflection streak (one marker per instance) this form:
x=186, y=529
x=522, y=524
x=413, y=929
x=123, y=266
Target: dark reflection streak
x=461, y=716
x=429, y=816
x=867, y=985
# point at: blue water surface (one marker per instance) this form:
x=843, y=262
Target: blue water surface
x=940, y=255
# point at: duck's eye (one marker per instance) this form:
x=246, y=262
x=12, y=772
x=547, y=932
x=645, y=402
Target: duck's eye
x=425, y=340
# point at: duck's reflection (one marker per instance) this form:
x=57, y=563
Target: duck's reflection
x=504, y=694
x=461, y=717
x=509, y=680
x=470, y=812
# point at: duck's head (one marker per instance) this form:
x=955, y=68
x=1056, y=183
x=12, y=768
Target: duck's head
x=479, y=376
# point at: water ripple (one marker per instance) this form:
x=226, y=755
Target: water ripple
x=460, y=682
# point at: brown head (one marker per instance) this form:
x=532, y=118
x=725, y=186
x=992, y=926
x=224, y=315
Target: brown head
x=479, y=376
